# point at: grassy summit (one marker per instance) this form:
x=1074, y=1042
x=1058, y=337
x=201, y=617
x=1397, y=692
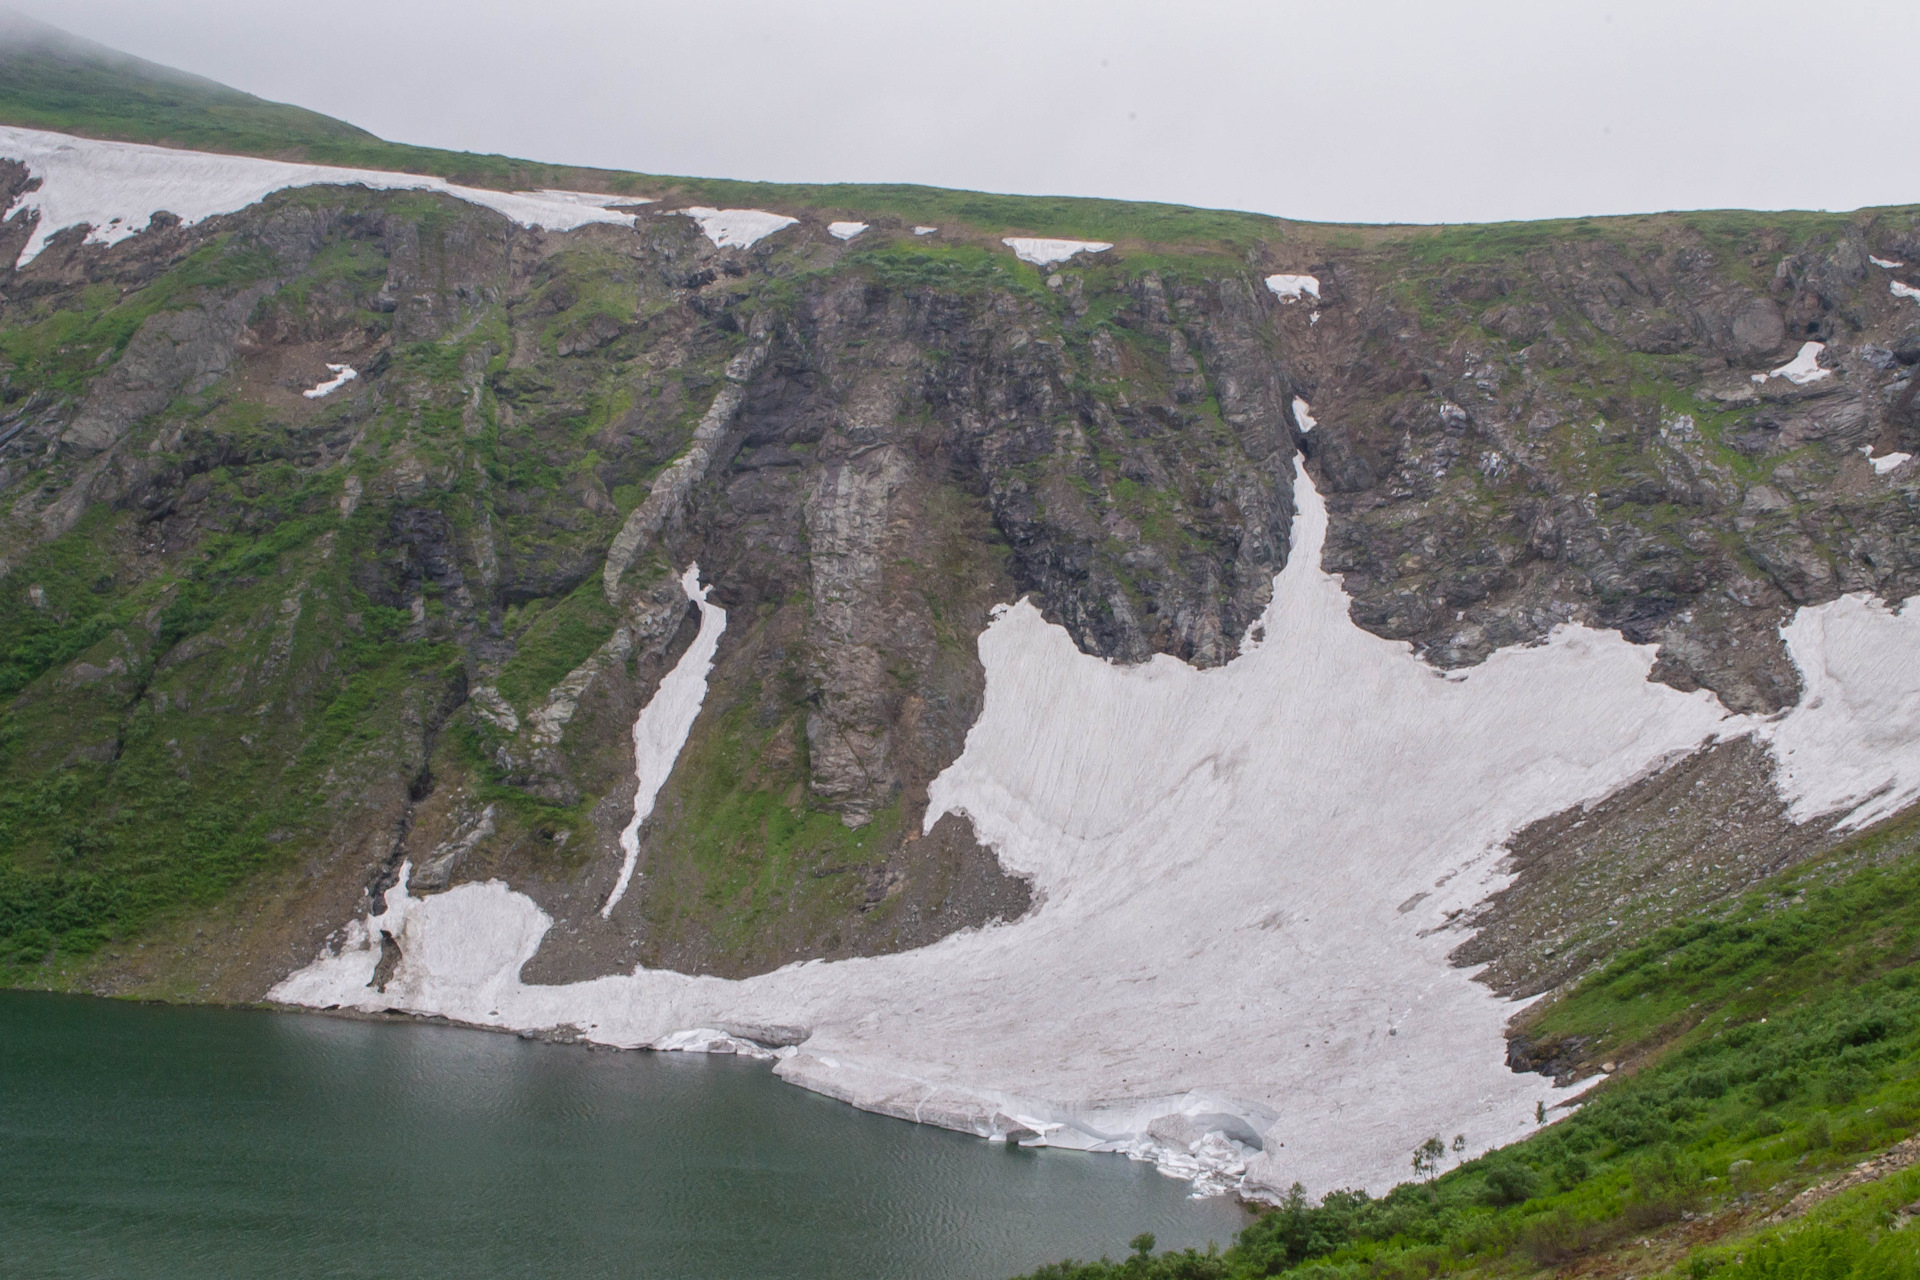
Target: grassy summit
x=51, y=80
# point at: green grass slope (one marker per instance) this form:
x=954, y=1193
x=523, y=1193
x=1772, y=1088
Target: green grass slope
x=51, y=80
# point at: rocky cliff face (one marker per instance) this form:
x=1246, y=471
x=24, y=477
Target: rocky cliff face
x=260, y=648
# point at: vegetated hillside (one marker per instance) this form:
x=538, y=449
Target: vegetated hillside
x=1759, y=1125
x=52, y=80
x=261, y=649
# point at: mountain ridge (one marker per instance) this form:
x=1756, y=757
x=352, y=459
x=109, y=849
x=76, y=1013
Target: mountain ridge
x=289, y=655
x=82, y=110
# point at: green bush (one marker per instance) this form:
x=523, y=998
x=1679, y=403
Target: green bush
x=1825, y=1253
x=1509, y=1182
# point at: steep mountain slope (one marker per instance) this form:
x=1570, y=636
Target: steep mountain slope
x=286, y=651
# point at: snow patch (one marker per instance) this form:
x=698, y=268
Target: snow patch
x=1802, y=369
x=1219, y=977
x=1887, y=263
x=664, y=724
x=738, y=228
x=591, y=199
x=1290, y=288
x=924, y=231
x=1301, y=416
x=845, y=230
x=350, y=965
x=1852, y=745
x=342, y=375
x=1885, y=464
x=115, y=188
x=1043, y=253
x=1900, y=290
x=711, y=1040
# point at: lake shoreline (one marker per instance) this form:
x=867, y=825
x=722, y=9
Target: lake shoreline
x=360, y=1144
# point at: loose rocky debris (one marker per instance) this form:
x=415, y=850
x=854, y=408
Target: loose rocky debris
x=1597, y=878
x=1890, y=1161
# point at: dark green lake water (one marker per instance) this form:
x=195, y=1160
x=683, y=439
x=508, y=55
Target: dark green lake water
x=152, y=1141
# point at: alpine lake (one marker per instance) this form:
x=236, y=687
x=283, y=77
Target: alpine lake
x=175, y=1141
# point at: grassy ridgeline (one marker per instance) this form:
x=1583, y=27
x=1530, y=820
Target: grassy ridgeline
x=1769, y=1048
x=49, y=80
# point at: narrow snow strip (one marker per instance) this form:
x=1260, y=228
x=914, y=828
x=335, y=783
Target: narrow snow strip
x=1219, y=976
x=1884, y=262
x=393, y=909
x=664, y=723
x=1042, y=253
x=1900, y=290
x=845, y=230
x=116, y=187
x=342, y=375
x=1884, y=464
x=924, y=231
x=1289, y=288
x=1301, y=416
x=738, y=228
x=591, y=199
x=1802, y=369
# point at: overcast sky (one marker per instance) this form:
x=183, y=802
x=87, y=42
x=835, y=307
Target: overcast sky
x=1340, y=110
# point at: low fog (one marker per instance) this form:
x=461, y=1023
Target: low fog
x=1375, y=112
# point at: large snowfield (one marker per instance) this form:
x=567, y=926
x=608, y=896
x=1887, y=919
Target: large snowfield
x=1245, y=879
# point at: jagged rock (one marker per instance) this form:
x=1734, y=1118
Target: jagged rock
x=174, y=353
x=438, y=866
x=591, y=335
x=847, y=739
x=666, y=500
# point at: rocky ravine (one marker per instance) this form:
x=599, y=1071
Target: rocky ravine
x=264, y=648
